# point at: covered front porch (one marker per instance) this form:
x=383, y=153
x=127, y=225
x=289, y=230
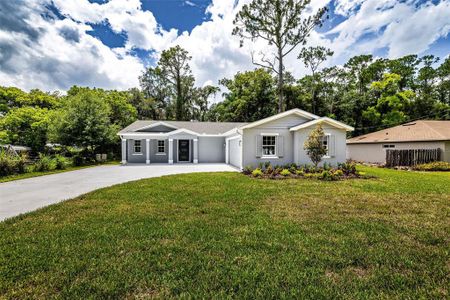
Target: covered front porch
x=160, y=149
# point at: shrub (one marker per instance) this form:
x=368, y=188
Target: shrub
x=247, y=170
x=267, y=165
x=277, y=171
x=348, y=168
x=326, y=175
x=433, y=166
x=21, y=162
x=285, y=172
x=257, y=172
x=338, y=173
x=7, y=163
x=45, y=163
x=269, y=170
x=300, y=172
x=78, y=159
x=12, y=164
x=60, y=162
x=311, y=175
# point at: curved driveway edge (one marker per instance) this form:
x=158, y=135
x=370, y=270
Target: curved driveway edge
x=21, y=196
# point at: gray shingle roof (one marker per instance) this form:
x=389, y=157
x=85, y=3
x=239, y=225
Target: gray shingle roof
x=198, y=127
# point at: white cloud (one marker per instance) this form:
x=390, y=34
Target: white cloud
x=401, y=27
x=54, y=61
x=55, y=54
x=346, y=7
x=127, y=16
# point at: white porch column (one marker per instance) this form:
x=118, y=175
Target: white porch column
x=147, y=151
x=124, y=151
x=170, y=151
x=227, y=151
x=296, y=147
x=195, y=151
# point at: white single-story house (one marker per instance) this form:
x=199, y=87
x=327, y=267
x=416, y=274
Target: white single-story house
x=421, y=134
x=278, y=139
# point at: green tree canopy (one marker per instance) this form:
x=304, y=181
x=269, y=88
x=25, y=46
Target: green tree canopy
x=84, y=121
x=25, y=126
x=393, y=104
x=251, y=97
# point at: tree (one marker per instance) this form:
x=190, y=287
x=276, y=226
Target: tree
x=426, y=82
x=12, y=97
x=174, y=65
x=200, y=107
x=393, y=105
x=443, y=87
x=121, y=112
x=84, y=121
x=279, y=23
x=25, y=126
x=156, y=95
x=313, y=57
x=314, y=145
x=251, y=97
x=406, y=67
x=360, y=75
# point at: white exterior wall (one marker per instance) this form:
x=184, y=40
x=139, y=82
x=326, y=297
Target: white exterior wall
x=280, y=127
x=235, y=151
x=375, y=153
x=340, y=138
x=211, y=149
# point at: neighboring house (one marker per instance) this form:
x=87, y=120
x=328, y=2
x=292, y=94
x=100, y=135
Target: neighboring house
x=414, y=135
x=278, y=139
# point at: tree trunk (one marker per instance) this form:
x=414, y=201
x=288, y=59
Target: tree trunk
x=280, y=80
x=179, y=104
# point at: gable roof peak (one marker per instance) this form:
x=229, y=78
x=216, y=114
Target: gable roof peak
x=294, y=111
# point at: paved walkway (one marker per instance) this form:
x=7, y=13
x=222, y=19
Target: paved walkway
x=21, y=196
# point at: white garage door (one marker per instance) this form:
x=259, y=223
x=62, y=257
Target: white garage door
x=235, y=152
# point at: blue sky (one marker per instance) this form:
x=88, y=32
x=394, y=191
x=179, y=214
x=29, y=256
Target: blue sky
x=54, y=44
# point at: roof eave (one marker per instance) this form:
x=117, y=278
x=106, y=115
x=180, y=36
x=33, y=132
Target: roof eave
x=295, y=111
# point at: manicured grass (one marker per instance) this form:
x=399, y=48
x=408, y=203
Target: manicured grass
x=228, y=235
x=36, y=174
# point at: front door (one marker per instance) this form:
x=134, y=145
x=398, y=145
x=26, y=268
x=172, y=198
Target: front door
x=183, y=150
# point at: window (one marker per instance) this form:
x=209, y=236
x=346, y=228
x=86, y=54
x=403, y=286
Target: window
x=388, y=146
x=326, y=144
x=137, y=146
x=269, y=145
x=161, y=146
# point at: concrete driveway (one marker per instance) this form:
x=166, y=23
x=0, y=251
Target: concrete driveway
x=21, y=196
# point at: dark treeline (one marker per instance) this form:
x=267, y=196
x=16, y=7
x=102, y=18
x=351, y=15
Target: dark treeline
x=366, y=93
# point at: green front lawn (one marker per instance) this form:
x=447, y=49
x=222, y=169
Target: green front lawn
x=225, y=234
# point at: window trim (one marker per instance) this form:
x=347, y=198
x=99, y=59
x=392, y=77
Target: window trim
x=140, y=147
x=157, y=147
x=275, y=155
x=327, y=136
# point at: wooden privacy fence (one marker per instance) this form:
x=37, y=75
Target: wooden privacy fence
x=411, y=157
